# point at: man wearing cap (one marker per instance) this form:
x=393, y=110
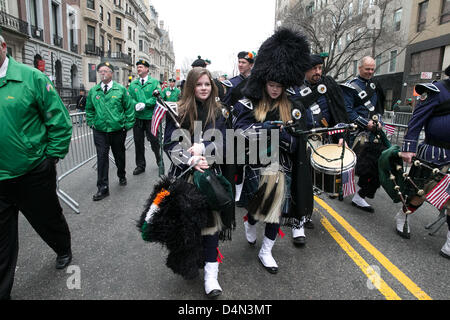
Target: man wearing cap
x=171, y=93
x=235, y=84
x=141, y=92
x=35, y=132
x=325, y=107
x=110, y=114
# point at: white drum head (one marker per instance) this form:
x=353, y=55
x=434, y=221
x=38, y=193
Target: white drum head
x=333, y=151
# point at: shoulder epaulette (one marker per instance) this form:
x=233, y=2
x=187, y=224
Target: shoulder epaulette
x=247, y=103
x=290, y=90
x=426, y=87
x=347, y=84
x=227, y=83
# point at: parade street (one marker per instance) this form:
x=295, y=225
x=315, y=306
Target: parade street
x=343, y=255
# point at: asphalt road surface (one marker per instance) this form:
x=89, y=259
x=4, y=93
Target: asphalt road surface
x=349, y=255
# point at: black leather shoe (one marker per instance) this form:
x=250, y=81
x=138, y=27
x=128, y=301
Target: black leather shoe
x=123, y=181
x=63, y=261
x=444, y=254
x=309, y=224
x=214, y=294
x=367, y=209
x=299, y=241
x=272, y=270
x=403, y=235
x=138, y=170
x=100, y=195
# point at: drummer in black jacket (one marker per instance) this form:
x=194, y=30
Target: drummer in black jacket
x=325, y=107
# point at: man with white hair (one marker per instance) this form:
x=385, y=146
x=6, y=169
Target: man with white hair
x=35, y=132
x=364, y=100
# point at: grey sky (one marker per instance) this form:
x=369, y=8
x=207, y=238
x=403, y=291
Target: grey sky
x=216, y=29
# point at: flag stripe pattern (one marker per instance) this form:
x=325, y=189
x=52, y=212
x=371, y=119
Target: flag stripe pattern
x=348, y=182
x=390, y=130
x=157, y=117
x=330, y=133
x=440, y=193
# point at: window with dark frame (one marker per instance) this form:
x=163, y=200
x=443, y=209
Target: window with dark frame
x=445, y=12
x=397, y=19
x=423, y=8
x=90, y=4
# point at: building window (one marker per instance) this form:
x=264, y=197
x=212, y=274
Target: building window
x=108, y=18
x=101, y=13
x=427, y=61
x=118, y=24
x=119, y=47
x=350, y=11
x=360, y=6
x=445, y=12
x=397, y=19
x=393, y=61
x=90, y=4
x=34, y=13
x=141, y=48
x=91, y=37
x=423, y=8
x=378, y=64
x=129, y=33
x=355, y=67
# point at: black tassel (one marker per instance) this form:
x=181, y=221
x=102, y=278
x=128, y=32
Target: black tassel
x=257, y=199
x=270, y=199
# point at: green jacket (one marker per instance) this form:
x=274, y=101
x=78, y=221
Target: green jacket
x=171, y=95
x=144, y=93
x=34, y=123
x=111, y=112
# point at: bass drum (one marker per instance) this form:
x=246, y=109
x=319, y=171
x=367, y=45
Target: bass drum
x=326, y=174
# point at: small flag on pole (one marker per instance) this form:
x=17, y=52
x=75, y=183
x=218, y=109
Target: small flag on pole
x=157, y=117
x=440, y=193
x=348, y=182
x=390, y=130
x=330, y=133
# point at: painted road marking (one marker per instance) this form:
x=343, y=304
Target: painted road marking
x=399, y=275
x=377, y=281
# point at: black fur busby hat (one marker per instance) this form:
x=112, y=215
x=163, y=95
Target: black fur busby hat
x=447, y=71
x=283, y=58
x=199, y=63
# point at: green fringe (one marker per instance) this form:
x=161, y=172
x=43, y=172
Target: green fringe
x=144, y=232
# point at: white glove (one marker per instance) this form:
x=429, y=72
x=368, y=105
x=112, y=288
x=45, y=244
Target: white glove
x=140, y=106
x=197, y=149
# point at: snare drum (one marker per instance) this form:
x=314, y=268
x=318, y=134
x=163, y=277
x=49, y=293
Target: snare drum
x=327, y=175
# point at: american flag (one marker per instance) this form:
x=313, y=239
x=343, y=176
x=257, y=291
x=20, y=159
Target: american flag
x=348, y=182
x=440, y=193
x=330, y=133
x=157, y=117
x=390, y=130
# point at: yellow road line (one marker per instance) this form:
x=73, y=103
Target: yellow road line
x=376, y=280
x=399, y=275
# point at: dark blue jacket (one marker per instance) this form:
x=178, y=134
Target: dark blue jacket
x=437, y=128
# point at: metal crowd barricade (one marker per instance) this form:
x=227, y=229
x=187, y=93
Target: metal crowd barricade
x=81, y=151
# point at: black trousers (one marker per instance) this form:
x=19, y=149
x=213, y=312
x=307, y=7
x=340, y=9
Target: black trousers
x=33, y=194
x=142, y=129
x=103, y=142
x=210, y=245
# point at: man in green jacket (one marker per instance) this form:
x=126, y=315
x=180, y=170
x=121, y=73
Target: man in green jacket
x=171, y=93
x=35, y=132
x=110, y=114
x=141, y=92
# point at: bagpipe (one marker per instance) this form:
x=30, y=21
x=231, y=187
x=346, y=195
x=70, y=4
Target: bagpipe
x=424, y=181
x=181, y=207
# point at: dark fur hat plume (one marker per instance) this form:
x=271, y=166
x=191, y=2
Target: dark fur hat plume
x=283, y=58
